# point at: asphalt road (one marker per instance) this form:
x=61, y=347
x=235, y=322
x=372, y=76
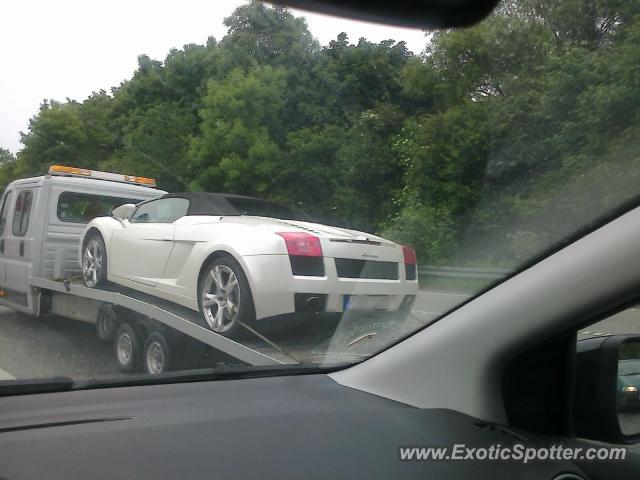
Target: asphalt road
x=49, y=347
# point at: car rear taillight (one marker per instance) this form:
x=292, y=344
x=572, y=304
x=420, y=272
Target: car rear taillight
x=305, y=253
x=410, y=262
x=409, y=255
x=302, y=244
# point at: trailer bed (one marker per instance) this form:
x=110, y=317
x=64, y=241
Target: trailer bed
x=179, y=318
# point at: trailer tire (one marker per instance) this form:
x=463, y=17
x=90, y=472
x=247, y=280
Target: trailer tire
x=106, y=324
x=127, y=348
x=157, y=356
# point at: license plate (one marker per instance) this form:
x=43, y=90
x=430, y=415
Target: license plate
x=366, y=302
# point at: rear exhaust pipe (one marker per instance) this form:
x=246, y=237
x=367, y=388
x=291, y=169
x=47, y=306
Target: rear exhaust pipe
x=313, y=304
x=310, y=302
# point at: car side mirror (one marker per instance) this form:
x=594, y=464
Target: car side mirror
x=607, y=393
x=123, y=212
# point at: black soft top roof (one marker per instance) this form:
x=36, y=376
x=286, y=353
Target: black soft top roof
x=206, y=203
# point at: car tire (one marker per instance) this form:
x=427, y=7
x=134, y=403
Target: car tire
x=157, y=354
x=235, y=301
x=94, y=261
x=106, y=324
x=127, y=348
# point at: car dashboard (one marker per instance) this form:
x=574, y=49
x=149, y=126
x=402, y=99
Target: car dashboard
x=303, y=426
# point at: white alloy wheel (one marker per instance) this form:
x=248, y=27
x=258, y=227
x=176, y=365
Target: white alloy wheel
x=93, y=262
x=220, y=298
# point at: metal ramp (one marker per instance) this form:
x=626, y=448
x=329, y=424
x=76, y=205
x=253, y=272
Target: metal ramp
x=260, y=353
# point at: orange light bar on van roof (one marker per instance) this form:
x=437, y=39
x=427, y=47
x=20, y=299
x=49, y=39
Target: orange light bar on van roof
x=69, y=170
x=112, y=177
x=149, y=182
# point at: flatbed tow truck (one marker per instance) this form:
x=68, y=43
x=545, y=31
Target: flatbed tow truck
x=41, y=222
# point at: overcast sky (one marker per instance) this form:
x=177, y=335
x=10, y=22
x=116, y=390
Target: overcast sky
x=58, y=49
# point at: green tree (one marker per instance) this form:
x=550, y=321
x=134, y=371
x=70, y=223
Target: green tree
x=156, y=142
x=7, y=168
x=6, y=157
x=70, y=133
x=443, y=157
x=237, y=149
x=260, y=35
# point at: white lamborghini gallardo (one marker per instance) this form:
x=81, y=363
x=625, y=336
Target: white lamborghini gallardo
x=238, y=259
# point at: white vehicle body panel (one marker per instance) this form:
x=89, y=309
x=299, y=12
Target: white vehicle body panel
x=136, y=243
x=166, y=259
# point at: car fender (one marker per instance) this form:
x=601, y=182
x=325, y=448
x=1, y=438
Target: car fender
x=203, y=253
x=106, y=226
x=236, y=242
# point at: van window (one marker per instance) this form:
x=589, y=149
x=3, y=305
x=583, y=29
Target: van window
x=82, y=207
x=4, y=211
x=21, y=213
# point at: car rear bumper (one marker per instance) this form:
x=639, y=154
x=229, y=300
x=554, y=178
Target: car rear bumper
x=274, y=287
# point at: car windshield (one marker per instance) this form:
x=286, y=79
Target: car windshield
x=431, y=164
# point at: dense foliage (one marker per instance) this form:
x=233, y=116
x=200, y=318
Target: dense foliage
x=494, y=142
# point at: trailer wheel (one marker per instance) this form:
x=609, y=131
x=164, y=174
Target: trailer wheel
x=157, y=355
x=106, y=324
x=128, y=348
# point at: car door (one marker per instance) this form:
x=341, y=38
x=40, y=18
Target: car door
x=139, y=251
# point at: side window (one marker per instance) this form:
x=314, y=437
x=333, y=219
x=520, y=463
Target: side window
x=82, y=207
x=165, y=210
x=21, y=213
x=4, y=211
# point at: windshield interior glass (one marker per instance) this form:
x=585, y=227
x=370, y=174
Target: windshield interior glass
x=402, y=172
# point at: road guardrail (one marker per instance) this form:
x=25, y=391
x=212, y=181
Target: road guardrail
x=463, y=272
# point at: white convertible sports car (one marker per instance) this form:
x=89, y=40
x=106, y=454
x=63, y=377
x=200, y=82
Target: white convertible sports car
x=237, y=259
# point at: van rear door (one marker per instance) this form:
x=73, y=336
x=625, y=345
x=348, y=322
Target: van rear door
x=17, y=244
x=5, y=209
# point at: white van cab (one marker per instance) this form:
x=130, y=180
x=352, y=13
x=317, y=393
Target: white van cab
x=42, y=220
